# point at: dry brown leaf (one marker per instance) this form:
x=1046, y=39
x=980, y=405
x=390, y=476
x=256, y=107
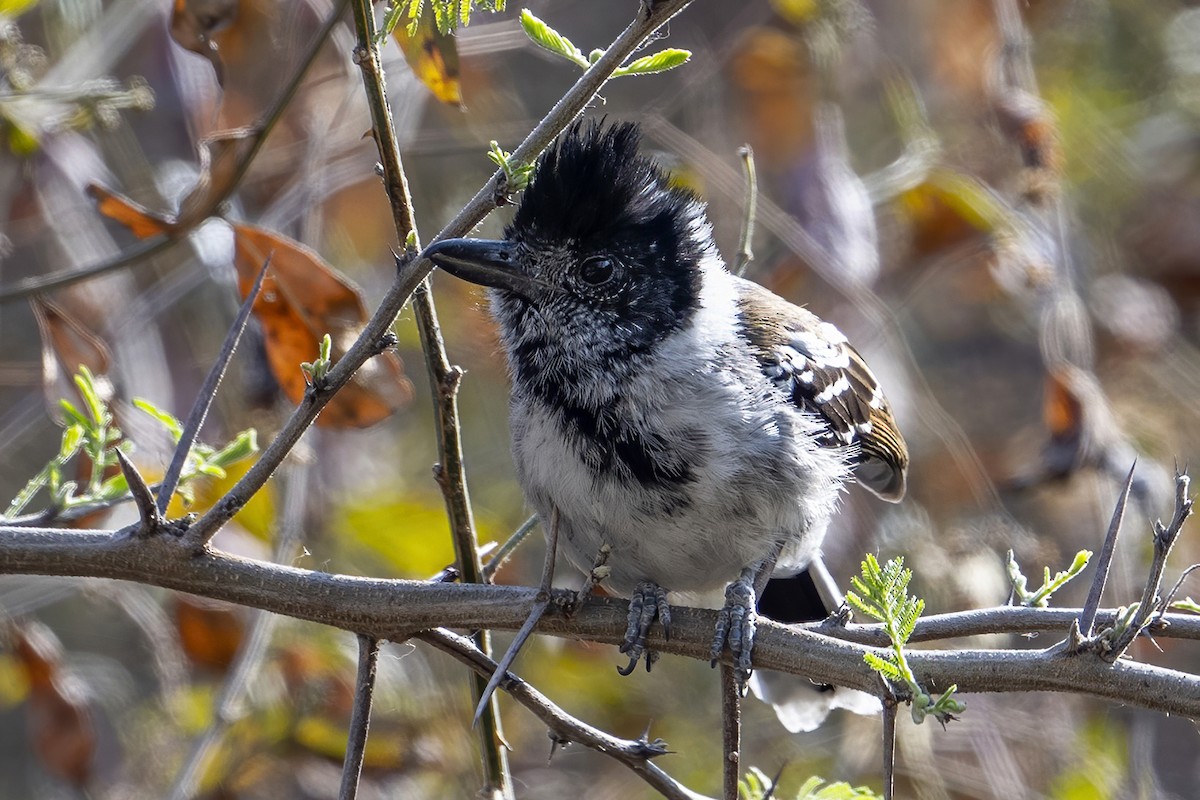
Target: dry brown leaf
x=433, y=58
x=141, y=221
x=302, y=300
x=210, y=632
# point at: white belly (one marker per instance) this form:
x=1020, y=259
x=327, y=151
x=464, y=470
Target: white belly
x=750, y=485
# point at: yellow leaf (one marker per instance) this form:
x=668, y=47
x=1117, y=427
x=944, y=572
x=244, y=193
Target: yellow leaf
x=433, y=58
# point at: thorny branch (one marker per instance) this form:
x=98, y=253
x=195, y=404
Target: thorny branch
x=394, y=608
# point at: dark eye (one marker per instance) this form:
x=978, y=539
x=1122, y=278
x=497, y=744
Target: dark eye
x=597, y=271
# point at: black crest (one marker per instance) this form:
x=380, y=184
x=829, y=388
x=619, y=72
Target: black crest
x=594, y=185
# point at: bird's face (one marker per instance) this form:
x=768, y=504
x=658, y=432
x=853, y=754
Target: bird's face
x=601, y=260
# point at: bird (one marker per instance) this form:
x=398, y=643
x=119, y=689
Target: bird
x=695, y=425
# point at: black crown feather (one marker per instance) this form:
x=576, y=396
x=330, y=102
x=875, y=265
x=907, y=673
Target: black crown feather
x=594, y=186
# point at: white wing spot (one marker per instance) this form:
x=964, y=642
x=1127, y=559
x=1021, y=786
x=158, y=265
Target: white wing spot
x=834, y=389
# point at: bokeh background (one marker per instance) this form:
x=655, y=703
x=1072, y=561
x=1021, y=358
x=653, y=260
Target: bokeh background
x=1017, y=253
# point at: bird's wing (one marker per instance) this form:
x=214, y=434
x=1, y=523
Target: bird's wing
x=812, y=361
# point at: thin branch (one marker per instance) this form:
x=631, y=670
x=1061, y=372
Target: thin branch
x=144, y=250
x=731, y=731
x=633, y=753
x=1164, y=540
x=1170, y=598
x=360, y=717
x=1088, y=618
x=890, y=705
x=208, y=392
x=409, y=278
x=540, y=604
x=506, y=550
x=444, y=381
x=745, y=253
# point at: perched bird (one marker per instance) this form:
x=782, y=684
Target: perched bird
x=695, y=423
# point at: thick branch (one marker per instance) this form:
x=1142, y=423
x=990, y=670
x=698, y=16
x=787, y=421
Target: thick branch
x=393, y=608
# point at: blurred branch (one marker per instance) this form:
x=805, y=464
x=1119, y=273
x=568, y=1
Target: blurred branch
x=410, y=277
x=444, y=379
x=745, y=253
x=394, y=608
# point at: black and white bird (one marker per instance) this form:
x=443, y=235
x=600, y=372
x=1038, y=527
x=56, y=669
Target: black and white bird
x=695, y=423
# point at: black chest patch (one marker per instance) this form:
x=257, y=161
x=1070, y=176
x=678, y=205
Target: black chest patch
x=611, y=446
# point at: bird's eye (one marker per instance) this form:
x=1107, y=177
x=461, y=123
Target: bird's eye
x=597, y=271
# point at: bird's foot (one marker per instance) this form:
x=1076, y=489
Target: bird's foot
x=735, y=627
x=649, y=601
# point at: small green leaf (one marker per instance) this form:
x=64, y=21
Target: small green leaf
x=1187, y=604
x=547, y=38
x=659, y=62
x=114, y=488
x=244, y=445
x=166, y=419
x=395, y=12
x=72, y=439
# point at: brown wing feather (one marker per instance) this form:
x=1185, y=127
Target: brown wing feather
x=824, y=374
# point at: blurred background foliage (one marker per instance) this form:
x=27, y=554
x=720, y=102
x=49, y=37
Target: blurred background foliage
x=955, y=207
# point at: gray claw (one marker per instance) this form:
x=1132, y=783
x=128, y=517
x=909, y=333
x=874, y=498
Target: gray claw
x=735, y=627
x=649, y=601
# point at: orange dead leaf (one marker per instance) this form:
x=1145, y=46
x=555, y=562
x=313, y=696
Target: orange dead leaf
x=302, y=300
x=57, y=712
x=210, y=632
x=1062, y=410
x=141, y=221
x=433, y=58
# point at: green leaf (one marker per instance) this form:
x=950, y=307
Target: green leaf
x=1187, y=604
x=86, y=384
x=549, y=39
x=72, y=439
x=244, y=445
x=659, y=62
x=166, y=419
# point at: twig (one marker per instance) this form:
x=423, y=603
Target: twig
x=1164, y=539
x=360, y=717
x=540, y=604
x=890, y=705
x=208, y=392
x=444, y=381
x=506, y=550
x=1170, y=598
x=745, y=253
x=731, y=731
x=633, y=753
x=1087, y=619
x=144, y=250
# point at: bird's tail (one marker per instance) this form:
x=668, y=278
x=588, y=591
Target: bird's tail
x=808, y=596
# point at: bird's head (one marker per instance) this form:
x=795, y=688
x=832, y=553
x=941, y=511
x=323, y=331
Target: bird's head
x=602, y=255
